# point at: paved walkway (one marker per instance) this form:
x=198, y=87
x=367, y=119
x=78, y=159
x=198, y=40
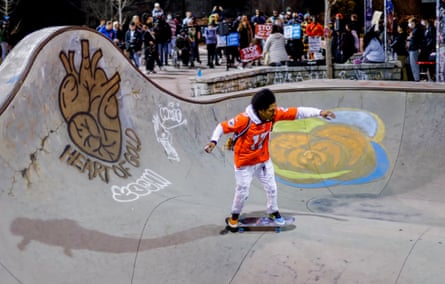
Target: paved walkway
x=177, y=80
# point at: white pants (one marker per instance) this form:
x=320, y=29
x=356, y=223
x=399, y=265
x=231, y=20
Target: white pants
x=266, y=175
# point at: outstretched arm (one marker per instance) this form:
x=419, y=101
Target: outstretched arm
x=306, y=112
x=217, y=133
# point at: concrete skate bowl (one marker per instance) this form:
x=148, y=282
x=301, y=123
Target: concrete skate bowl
x=104, y=178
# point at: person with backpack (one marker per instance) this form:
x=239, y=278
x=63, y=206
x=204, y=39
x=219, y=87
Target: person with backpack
x=251, y=148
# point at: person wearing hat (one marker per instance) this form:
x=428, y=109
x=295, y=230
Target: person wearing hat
x=157, y=11
x=251, y=150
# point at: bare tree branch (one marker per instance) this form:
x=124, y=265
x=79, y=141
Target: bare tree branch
x=7, y=6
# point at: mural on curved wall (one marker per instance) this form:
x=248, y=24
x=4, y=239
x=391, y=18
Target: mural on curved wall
x=315, y=153
x=89, y=104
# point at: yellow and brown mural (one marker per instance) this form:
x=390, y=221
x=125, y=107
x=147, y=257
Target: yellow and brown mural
x=319, y=153
x=89, y=105
x=102, y=147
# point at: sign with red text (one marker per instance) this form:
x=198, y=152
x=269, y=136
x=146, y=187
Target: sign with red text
x=250, y=53
x=263, y=31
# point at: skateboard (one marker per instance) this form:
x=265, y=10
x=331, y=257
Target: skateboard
x=261, y=223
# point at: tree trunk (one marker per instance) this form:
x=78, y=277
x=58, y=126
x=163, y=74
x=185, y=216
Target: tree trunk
x=328, y=37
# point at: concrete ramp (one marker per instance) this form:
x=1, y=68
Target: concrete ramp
x=104, y=178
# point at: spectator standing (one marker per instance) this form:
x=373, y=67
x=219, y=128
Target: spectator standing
x=348, y=43
x=314, y=28
x=429, y=43
x=183, y=46
x=157, y=11
x=415, y=40
x=188, y=18
x=175, y=25
x=275, y=47
x=354, y=26
x=133, y=43
x=219, y=12
x=108, y=31
x=338, y=39
x=150, y=50
x=232, y=51
x=194, y=34
x=287, y=16
x=163, y=35
x=137, y=21
x=119, y=40
x=102, y=24
x=210, y=35
x=275, y=19
x=245, y=33
x=307, y=19
x=294, y=46
x=151, y=26
x=258, y=18
x=398, y=46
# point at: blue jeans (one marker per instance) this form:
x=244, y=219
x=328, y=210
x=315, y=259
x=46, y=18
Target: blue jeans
x=413, y=56
x=163, y=52
x=134, y=55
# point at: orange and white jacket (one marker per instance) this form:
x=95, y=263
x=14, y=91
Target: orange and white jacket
x=253, y=146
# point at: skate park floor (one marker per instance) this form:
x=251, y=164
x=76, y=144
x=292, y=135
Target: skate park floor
x=104, y=178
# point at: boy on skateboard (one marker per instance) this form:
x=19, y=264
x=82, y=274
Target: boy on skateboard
x=251, y=150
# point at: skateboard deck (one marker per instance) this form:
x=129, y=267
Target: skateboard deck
x=261, y=223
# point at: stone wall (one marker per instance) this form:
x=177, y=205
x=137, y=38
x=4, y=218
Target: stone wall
x=255, y=77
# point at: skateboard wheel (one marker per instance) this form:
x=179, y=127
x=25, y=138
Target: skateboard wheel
x=277, y=229
x=241, y=230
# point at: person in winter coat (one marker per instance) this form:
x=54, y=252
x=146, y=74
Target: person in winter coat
x=374, y=52
x=275, y=48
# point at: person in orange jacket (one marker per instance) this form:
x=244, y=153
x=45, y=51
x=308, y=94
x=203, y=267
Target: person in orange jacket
x=314, y=28
x=251, y=150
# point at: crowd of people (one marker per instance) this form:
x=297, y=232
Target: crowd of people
x=160, y=38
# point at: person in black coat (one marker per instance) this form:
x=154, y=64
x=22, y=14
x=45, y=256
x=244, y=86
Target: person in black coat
x=398, y=47
x=133, y=43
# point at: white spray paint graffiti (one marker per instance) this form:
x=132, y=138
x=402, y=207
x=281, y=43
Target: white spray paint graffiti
x=149, y=182
x=168, y=118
